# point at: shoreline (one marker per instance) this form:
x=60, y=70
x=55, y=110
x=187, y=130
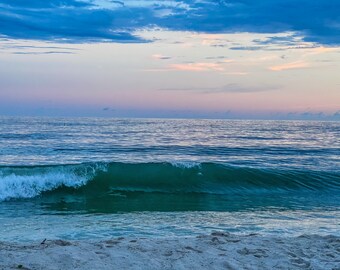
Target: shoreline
x=218, y=250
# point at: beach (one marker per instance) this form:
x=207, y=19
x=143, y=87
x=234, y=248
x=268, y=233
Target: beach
x=158, y=135
x=218, y=250
x=137, y=194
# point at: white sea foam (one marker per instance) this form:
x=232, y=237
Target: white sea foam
x=31, y=182
x=186, y=164
x=28, y=186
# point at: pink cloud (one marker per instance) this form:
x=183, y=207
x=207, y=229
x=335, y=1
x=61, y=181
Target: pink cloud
x=236, y=73
x=161, y=57
x=292, y=65
x=197, y=67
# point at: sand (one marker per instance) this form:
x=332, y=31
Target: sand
x=215, y=251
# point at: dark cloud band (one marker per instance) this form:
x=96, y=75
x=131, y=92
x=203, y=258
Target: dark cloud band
x=84, y=21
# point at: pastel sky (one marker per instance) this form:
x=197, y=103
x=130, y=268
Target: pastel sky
x=265, y=59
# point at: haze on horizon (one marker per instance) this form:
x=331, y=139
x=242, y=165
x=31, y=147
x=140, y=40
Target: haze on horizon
x=180, y=59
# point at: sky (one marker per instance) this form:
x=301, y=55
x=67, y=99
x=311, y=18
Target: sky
x=237, y=59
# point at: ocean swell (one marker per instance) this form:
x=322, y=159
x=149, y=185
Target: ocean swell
x=98, y=179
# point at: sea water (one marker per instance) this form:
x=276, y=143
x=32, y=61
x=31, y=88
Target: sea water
x=89, y=178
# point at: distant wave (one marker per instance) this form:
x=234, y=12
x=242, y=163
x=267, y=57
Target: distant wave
x=212, y=178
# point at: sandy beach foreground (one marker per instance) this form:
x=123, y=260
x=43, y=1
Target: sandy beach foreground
x=215, y=251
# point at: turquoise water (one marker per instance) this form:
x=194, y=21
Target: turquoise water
x=92, y=178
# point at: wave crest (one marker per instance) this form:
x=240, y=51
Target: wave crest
x=105, y=178
x=29, y=182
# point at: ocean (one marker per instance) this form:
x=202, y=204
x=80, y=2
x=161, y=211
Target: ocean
x=94, y=178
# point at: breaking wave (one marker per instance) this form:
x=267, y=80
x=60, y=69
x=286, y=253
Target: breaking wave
x=211, y=178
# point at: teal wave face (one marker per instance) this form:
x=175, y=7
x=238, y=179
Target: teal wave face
x=112, y=187
x=209, y=178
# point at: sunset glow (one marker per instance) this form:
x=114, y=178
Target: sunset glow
x=166, y=64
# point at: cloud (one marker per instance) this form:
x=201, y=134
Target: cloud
x=215, y=57
x=161, y=57
x=107, y=109
x=197, y=67
x=256, y=48
x=236, y=73
x=307, y=17
x=310, y=115
x=22, y=48
x=289, y=40
x=319, y=50
x=292, y=65
x=228, y=88
x=247, y=48
x=49, y=52
x=337, y=114
x=15, y=46
x=117, y=21
x=64, y=21
x=39, y=4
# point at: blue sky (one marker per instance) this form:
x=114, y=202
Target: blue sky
x=224, y=59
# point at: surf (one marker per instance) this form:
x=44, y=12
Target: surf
x=100, y=179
